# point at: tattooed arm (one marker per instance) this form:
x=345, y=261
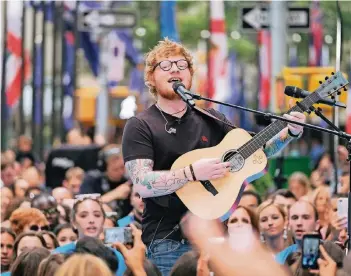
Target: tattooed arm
x=277, y=143
x=149, y=183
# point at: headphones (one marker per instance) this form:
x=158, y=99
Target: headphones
x=103, y=155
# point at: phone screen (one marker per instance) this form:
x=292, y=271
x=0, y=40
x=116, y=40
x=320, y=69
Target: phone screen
x=118, y=234
x=343, y=203
x=310, y=251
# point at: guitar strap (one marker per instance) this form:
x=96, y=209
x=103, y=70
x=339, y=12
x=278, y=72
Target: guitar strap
x=203, y=111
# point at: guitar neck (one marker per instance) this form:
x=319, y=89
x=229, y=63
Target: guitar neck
x=274, y=128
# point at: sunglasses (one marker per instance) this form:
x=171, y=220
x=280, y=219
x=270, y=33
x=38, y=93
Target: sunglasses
x=37, y=228
x=82, y=197
x=50, y=211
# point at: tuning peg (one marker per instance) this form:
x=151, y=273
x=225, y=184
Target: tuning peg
x=339, y=93
x=320, y=82
x=345, y=89
x=332, y=97
x=332, y=73
x=326, y=78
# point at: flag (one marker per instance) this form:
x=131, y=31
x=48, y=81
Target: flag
x=235, y=91
x=168, y=25
x=68, y=85
x=218, y=63
x=316, y=35
x=14, y=62
x=264, y=41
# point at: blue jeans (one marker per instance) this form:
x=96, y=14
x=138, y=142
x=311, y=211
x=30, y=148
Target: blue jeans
x=165, y=253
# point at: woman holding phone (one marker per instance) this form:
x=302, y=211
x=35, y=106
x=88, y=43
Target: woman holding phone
x=88, y=218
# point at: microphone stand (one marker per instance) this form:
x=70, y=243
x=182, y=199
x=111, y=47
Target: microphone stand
x=343, y=135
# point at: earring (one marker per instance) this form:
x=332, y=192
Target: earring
x=285, y=234
x=262, y=237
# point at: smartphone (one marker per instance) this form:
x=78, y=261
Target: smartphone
x=310, y=251
x=118, y=234
x=343, y=206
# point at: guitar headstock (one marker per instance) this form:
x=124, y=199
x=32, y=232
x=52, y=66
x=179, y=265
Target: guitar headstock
x=332, y=85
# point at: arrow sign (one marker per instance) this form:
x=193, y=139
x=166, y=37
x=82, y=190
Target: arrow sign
x=89, y=20
x=256, y=18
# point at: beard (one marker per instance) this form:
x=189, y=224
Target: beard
x=169, y=95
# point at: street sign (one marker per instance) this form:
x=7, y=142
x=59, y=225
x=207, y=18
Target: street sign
x=257, y=17
x=104, y=19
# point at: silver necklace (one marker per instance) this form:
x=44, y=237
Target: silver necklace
x=171, y=130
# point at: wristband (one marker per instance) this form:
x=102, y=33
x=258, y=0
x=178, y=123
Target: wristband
x=293, y=135
x=192, y=172
x=185, y=174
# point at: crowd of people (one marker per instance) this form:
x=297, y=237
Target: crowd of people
x=60, y=230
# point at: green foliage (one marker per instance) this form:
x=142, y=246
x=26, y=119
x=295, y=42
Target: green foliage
x=193, y=17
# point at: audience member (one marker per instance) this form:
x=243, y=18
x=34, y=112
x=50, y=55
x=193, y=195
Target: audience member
x=7, y=239
x=27, y=263
x=61, y=193
x=83, y=265
x=250, y=199
x=50, y=264
x=28, y=219
x=273, y=226
x=73, y=180
x=28, y=241
x=48, y=205
x=299, y=184
x=65, y=234
x=50, y=240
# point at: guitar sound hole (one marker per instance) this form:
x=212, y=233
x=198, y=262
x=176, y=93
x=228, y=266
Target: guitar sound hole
x=228, y=155
x=236, y=160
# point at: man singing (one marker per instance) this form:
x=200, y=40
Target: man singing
x=155, y=138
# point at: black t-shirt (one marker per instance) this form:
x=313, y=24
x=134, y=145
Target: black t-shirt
x=97, y=182
x=145, y=137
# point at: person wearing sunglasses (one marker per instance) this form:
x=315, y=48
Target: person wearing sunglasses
x=48, y=205
x=28, y=219
x=156, y=137
x=88, y=217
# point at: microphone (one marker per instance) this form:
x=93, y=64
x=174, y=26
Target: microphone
x=296, y=92
x=180, y=89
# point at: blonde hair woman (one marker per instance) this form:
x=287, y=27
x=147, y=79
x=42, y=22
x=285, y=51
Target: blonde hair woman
x=272, y=223
x=321, y=199
x=83, y=265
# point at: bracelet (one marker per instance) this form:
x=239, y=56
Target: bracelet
x=192, y=172
x=293, y=135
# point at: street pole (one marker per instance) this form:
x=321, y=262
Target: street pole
x=335, y=109
x=102, y=108
x=278, y=28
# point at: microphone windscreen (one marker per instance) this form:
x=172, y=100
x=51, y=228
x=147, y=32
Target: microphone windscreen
x=290, y=90
x=176, y=85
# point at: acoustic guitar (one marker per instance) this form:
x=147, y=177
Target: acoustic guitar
x=212, y=199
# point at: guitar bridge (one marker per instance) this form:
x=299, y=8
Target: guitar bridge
x=209, y=187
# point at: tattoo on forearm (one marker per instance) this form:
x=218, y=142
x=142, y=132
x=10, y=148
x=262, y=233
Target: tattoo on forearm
x=154, y=183
x=277, y=143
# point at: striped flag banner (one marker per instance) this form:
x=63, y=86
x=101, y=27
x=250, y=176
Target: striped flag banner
x=218, y=63
x=264, y=40
x=14, y=62
x=316, y=35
